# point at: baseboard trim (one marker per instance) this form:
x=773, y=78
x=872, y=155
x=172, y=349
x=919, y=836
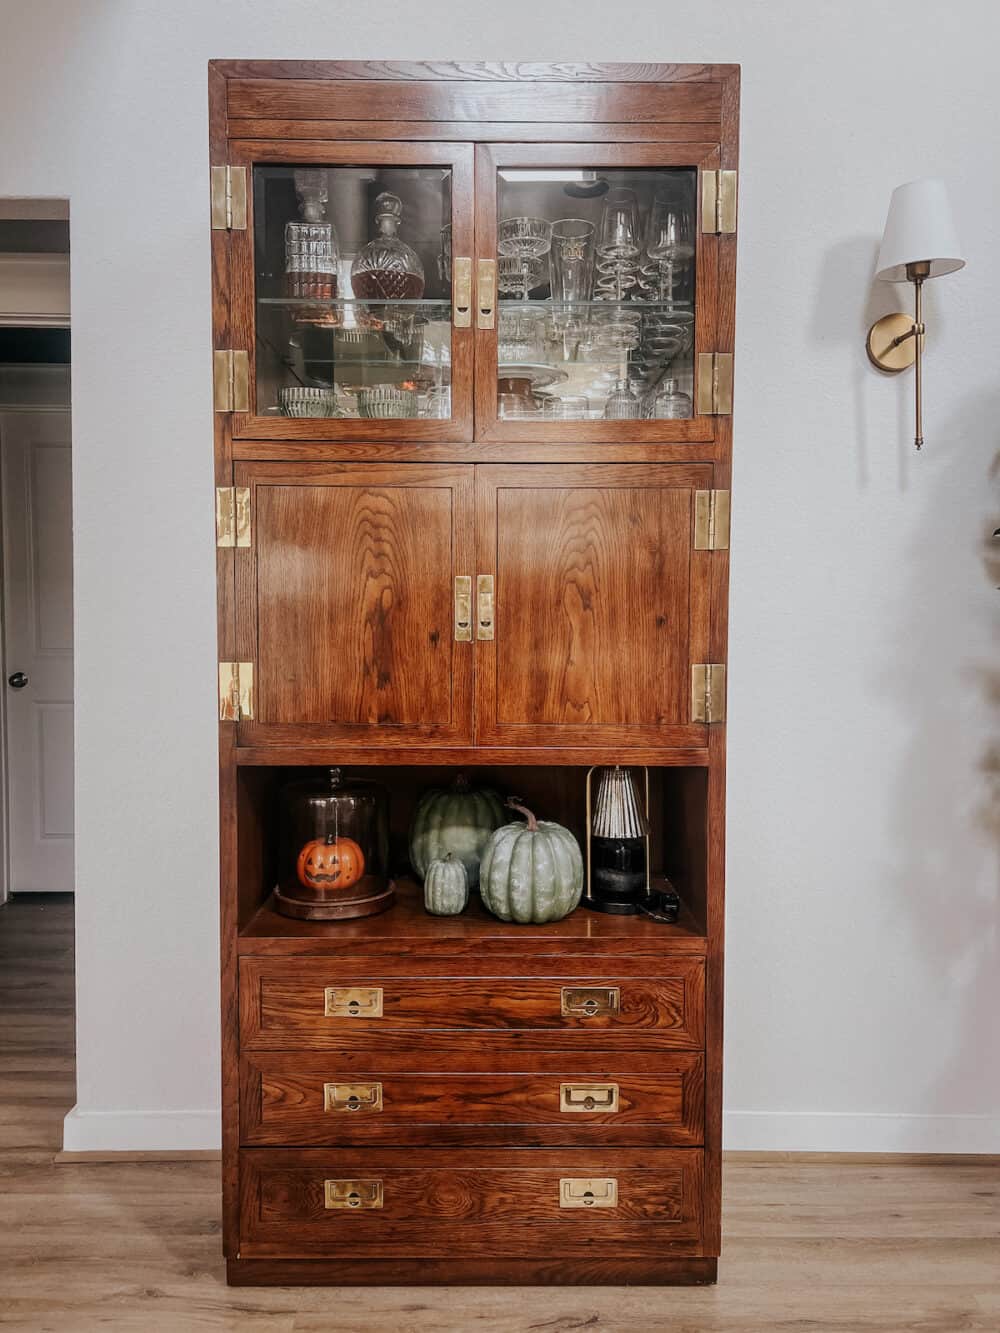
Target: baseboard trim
x=120, y=1158
x=864, y=1158
x=843, y=1134
x=188, y=1133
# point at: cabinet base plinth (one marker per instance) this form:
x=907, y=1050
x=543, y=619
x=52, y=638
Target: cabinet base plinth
x=652, y=1272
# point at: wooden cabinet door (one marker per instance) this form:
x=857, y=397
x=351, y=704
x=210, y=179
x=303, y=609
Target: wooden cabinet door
x=346, y=603
x=601, y=604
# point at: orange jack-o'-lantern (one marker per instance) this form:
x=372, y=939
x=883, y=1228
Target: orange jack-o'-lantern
x=330, y=863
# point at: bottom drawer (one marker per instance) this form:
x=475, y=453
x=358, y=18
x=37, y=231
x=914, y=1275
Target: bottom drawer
x=461, y=1204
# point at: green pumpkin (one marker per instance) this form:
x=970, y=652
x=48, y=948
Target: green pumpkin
x=446, y=887
x=531, y=872
x=458, y=819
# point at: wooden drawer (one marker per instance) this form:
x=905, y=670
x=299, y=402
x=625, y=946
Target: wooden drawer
x=333, y=1005
x=457, y=1203
x=306, y=1099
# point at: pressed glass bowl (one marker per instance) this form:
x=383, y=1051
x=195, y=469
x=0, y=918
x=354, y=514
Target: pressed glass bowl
x=384, y=401
x=303, y=402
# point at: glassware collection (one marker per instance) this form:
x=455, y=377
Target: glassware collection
x=608, y=331
x=595, y=317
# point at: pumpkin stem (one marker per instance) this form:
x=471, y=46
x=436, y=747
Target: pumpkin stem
x=331, y=838
x=521, y=809
x=461, y=783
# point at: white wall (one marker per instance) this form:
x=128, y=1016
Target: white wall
x=863, y=983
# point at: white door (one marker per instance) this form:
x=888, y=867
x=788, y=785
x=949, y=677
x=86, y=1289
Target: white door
x=38, y=648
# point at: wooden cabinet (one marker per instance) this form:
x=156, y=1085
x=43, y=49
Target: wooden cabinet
x=473, y=331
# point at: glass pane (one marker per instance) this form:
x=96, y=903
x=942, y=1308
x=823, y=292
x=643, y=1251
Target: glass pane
x=596, y=293
x=353, y=286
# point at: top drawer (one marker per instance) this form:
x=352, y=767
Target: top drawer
x=334, y=1005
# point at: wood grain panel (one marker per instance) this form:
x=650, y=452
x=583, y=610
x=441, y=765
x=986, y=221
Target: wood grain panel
x=601, y=602
x=700, y=137
x=282, y=1007
x=282, y=1102
x=446, y=1202
x=346, y=602
x=335, y=99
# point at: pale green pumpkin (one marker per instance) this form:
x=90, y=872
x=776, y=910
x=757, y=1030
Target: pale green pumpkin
x=532, y=872
x=446, y=887
x=457, y=819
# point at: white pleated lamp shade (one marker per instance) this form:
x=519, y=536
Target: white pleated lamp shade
x=920, y=227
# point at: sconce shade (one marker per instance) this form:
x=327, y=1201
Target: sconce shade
x=920, y=227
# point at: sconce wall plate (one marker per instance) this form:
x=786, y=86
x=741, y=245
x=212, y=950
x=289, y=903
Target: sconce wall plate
x=883, y=351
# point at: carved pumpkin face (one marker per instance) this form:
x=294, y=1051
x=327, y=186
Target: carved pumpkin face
x=330, y=863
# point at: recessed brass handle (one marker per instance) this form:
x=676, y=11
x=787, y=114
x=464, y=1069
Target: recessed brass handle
x=485, y=607
x=352, y=1194
x=463, y=608
x=486, y=293
x=461, y=280
x=588, y=1192
x=590, y=1001
x=582, y=1098
x=352, y=1098
x=352, y=1002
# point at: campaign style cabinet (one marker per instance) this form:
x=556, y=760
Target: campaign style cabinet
x=473, y=335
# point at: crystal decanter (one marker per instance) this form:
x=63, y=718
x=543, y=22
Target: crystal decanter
x=388, y=269
x=311, y=249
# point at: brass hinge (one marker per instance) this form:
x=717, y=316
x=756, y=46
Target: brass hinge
x=711, y=520
x=708, y=692
x=235, y=691
x=231, y=381
x=229, y=198
x=232, y=516
x=718, y=202
x=714, y=387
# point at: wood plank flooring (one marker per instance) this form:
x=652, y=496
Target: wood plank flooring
x=823, y=1247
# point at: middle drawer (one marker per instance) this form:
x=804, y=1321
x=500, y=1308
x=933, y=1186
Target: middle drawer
x=298, y=1099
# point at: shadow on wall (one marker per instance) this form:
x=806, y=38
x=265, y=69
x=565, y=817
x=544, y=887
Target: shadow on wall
x=946, y=896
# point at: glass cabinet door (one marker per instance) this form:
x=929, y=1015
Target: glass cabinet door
x=352, y=290
x=605, y=292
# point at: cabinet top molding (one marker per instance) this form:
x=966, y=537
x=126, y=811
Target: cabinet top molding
x=518, y=71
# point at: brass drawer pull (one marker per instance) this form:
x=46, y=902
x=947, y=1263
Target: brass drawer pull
x=356, y=1194
x=356, y=1097
x=590, y=1001
x=588, y=1192
x=584, y=1097
x=461, y=274
x=353, y=1002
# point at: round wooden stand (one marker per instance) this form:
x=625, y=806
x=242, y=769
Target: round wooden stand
x=334, y=909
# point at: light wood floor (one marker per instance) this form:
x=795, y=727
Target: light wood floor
x=827, y=1248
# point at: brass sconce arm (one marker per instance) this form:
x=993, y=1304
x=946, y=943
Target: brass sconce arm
x=888, y=342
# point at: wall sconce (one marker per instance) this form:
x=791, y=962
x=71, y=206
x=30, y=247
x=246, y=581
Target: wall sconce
x=919, y=242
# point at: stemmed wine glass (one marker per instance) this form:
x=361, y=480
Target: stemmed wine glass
x=618, y=245
x=668, y=242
